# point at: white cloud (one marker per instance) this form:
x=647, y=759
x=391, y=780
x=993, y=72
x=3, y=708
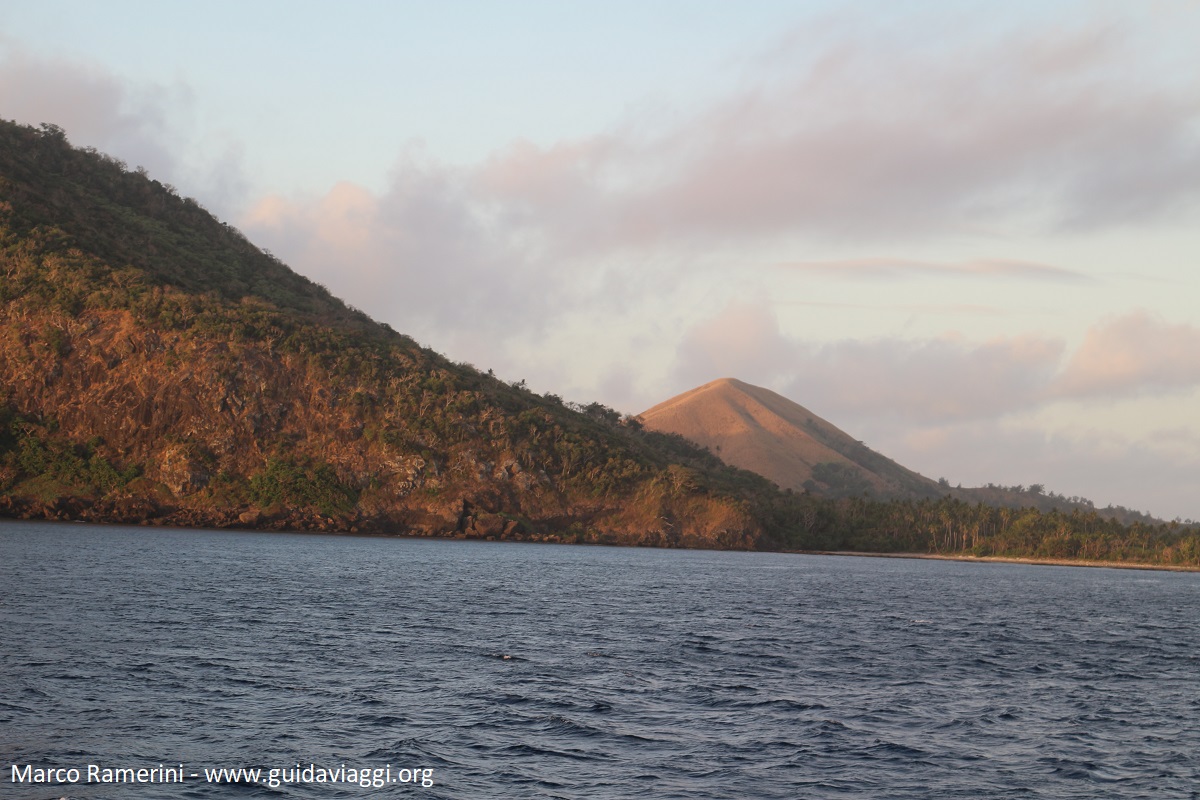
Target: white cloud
x=897, y=268
x=927, y=380
x=1134, y=354
x=942, y=379
x=874, y=138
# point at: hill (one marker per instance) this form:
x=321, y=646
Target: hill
x=156, y=366
x=760, y=431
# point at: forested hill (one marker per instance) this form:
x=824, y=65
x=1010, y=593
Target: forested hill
x=157, y=367
x=140, y=230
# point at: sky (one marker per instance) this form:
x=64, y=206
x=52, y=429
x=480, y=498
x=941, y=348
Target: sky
x=965, y=233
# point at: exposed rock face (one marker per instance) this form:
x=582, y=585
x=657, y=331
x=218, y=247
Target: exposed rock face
x=180, y=472
x=204, y=431
x=760, y=431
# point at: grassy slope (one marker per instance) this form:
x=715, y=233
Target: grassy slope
x=758, y=430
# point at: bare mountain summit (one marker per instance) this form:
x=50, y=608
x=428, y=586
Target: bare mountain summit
x=760, y=431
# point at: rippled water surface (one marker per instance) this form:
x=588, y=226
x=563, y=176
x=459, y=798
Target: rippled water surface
x=517, y=671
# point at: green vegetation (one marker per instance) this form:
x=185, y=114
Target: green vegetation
x=139, y=227
x=158, y=367
x=313, y=486
x=30, y=452
x=135, y=316
x=842, y=480
x=951, y=527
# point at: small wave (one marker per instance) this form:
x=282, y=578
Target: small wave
x=788, y=704
x=533, y=750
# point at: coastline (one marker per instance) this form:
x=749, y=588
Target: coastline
x=1042, y=562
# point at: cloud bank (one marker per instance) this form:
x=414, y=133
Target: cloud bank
x=944, y=379
x=898, y=268
x=864, y=138
x=1135, y=354
x=874, y=138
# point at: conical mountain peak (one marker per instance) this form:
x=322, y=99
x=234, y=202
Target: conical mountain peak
x=758, y=430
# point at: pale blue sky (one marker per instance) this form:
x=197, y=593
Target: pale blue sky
x=965, y=233
x=361, y=79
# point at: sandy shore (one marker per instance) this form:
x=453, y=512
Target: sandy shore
x=1049, y=562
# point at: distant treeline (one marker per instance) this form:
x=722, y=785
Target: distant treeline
x=949, y=526
x=953, y=527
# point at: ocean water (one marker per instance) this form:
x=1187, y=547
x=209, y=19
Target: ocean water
x=453, y=669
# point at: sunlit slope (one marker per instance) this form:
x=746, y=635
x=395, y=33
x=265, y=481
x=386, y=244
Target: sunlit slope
x=760, y=431
x=156, y=366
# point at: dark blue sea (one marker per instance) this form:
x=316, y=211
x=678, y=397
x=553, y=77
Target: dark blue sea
x=454, y=669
